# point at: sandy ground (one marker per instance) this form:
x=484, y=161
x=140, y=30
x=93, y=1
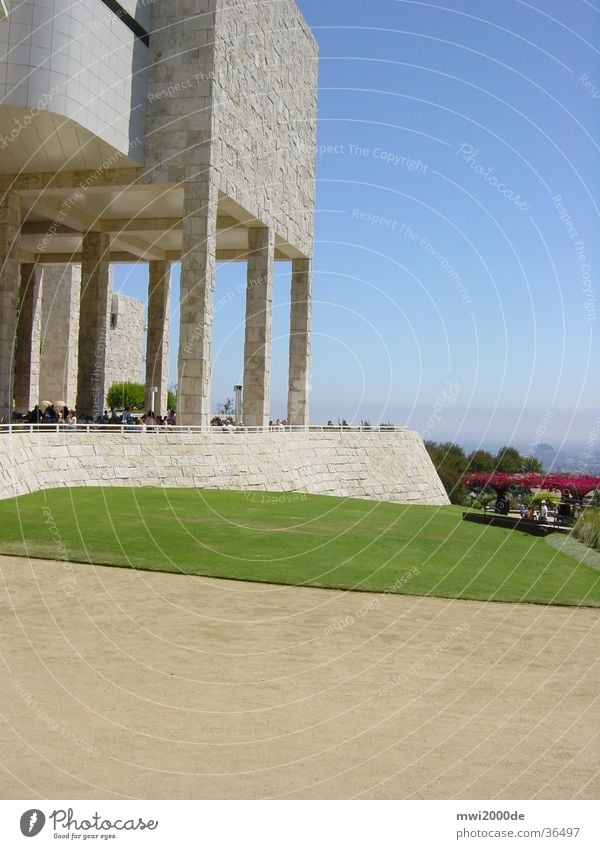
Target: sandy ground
x=121, y=684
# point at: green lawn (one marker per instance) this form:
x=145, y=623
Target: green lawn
x=295, y=539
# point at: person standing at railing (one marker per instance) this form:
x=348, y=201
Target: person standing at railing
x=127, y=418
x=71, y=420
x=50, y=415
x=35, y=415
x=149, y=421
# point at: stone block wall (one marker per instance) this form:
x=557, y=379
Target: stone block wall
x=265, y=110
x=125, y=337
x=232, y=97
x=180, y=90
x=392, y=466
x=59, y=320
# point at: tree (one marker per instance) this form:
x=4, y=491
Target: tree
x=481, y=461
x=508, y=460
x=531, y=464
x=450, y=463
x=226, y=408
x=172, y=397
x=127, y=394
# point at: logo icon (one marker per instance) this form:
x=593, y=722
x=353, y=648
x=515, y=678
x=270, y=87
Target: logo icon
x=32, y=822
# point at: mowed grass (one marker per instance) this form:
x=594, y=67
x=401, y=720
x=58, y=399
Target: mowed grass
x=294, y=539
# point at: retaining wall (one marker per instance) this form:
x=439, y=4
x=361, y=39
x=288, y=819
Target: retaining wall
x=387, y=466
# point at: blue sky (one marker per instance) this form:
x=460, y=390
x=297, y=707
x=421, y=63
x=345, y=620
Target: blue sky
x=456, y=249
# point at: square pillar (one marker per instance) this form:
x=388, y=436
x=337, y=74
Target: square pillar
x=259, y=319
x=27, y=362
x=157, y=345
x=10, y=235
x=300, y=323
x=93, y=320
x=197, y=287
x=60, y=301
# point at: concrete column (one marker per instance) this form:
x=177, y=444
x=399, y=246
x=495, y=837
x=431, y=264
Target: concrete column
x=61, y=295
x=300, y=320
x=93, y=317
x=259, y=319
x=27, y=362
x=197, y=286
x=157, y=345
x=10, y=232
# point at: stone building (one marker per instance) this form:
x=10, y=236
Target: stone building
x=53, y=350
x=156, y=132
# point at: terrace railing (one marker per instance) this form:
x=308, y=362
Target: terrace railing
x=26, y=427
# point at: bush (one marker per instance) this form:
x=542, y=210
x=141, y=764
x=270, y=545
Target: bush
x=551, y=499
x=587, y=528
x=121, y=395
x=133, y=395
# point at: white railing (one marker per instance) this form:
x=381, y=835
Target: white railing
x=26, y=427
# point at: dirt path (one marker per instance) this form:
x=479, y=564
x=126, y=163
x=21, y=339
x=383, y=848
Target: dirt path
x=121, y=684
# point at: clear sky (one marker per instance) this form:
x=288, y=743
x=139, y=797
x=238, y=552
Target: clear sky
x=455, y=269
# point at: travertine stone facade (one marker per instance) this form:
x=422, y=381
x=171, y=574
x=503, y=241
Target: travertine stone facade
x=59, y=320
x=179, y=128
x=243, y=124
x=259, y=321
x=175, y=135
x=27, y=359
x=157, y=347
x=390, y=466
x=93, y=324
x=196, y=295
x=124, y=343
x=265, y=72
x=61, y=288
x=300, y=326
x=10, y=223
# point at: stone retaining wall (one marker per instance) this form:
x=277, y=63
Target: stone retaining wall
x=387, y=466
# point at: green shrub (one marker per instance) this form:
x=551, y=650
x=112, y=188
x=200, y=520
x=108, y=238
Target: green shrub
x=587, y=528
x=121, y=395
x=552, y=499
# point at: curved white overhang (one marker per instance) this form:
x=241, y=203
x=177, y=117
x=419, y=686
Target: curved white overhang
x=34, y=140
x=79, y=61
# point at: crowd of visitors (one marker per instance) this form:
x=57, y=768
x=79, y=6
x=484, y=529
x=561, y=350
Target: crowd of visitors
x=59, y=414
